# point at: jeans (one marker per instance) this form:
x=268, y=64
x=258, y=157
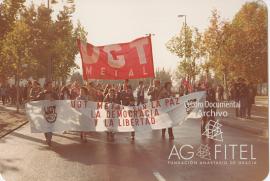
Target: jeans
x=48, y=136
x=170, y=131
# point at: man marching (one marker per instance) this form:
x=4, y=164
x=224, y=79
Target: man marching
x=128, y=99
x=154, y=90
x=140, y=93
x=48, y=94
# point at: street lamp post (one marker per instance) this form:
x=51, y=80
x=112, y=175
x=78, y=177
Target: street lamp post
x=50, y=61
x=185, y=27
x=148, y=34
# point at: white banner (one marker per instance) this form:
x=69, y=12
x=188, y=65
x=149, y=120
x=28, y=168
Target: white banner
x=68, y=115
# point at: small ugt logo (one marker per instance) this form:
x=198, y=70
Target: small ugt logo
x=190, y=105
x=50, y=113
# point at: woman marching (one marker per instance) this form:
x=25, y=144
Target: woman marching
x=166, y=92
x=110, y=97
x=83, y=96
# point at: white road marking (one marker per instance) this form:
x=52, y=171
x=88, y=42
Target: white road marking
x=262, y=105
x=255, y=116
x=1, y=178
x=158, y=176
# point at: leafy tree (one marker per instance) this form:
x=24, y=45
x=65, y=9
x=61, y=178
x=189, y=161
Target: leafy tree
x=16, y=50
x=188, y=46
x=42, y=30
x=214, y=39
x=250, y=25
x=54, y=42
x=65, y=47
x=9, y=10
x=76, y=76
x=238, y=48
x=16, y=53
x=163, y=75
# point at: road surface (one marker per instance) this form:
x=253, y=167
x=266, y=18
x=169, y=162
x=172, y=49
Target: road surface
x=26, y=157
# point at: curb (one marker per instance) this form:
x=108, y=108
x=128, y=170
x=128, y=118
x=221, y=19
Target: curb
x=10, y=131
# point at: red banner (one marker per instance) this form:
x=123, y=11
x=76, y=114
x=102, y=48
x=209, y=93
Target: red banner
x=118, y=61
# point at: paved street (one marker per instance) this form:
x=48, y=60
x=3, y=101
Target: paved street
x=257, y=124
x=24, y=156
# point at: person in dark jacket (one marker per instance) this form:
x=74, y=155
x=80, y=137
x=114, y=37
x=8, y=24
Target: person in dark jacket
x=75, y=90
x=243, y=94
x=65, y=93
x=128, y=99
x=236, y=94
x=154, y=90
x=111, y=96
x=140, y=93
x=211, y=98
x=127, y=96
x=48, y=94
x=35, y=90
x=250, y=99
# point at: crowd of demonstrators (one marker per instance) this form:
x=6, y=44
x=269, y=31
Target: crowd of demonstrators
x=243, y=92
x=3, y=92
x=122, y=94
x=8, y=93
x=240, y=91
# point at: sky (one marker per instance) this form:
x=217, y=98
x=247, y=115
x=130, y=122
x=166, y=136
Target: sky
x=117, y=21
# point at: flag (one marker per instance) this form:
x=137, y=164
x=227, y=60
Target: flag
x=121, y=61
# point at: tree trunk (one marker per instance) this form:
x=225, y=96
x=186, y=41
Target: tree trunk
x=225, y=85
x=17, y=80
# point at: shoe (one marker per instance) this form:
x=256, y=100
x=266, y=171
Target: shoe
x=49, y=142
x=112, y=137
x=163, y=136
x=81, y=136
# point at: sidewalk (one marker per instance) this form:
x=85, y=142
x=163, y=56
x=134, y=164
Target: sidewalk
x=10, y=120
x=258, y=124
